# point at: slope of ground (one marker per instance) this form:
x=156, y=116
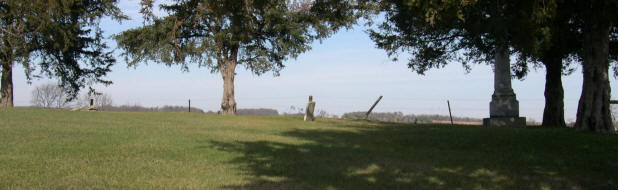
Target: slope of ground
x=128, y=150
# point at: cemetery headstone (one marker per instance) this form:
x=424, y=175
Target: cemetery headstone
x=92, y=107
x=504, y=107
x=309, y=110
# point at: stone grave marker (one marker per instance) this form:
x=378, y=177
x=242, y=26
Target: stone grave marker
x=504, y=107
x=309, y=110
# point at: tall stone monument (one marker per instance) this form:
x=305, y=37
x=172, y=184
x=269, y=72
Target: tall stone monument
x=504, y=107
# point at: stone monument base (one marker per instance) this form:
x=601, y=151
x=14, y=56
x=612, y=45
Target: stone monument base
x=504, y=122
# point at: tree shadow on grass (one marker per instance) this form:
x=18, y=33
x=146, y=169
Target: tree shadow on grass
x=395, y=156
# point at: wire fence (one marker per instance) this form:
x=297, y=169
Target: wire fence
x=532, y=108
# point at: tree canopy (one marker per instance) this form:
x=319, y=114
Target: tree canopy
x=56, y=39
x=437, y=32
x=257, y=34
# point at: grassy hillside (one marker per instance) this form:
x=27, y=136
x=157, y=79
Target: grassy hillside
x=109, y=150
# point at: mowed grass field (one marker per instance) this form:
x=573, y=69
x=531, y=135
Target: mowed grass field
x=58, y=149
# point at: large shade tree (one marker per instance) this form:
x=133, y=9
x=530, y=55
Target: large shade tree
x=436, y=32
x=577, y=31
x=549, y=49
x=13, y=44
x=563, y=39
x=556, y=54
x=223, y=34
x=598, y=26
x=56, y=39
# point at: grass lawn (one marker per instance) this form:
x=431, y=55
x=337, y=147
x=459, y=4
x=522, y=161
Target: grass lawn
x=111, y=150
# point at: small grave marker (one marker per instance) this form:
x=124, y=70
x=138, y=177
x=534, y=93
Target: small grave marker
x=309, y=110
x=92, y=107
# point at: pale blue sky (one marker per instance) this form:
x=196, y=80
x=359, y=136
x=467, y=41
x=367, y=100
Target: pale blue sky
x=344, y=73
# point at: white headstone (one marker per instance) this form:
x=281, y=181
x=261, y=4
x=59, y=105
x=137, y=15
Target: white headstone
x=309, y=110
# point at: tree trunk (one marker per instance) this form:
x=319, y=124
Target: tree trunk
x=228, y=104
x=593, y=113
x=553, y=115
x=6, y=83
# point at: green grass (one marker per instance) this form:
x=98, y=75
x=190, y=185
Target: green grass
x=41, y=149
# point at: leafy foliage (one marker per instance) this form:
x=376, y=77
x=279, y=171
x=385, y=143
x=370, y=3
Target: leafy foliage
x=259, y=34
x=437, y=32
x=63, y=36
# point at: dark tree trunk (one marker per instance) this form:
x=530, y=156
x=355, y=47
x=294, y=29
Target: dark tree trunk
x=6, y=83
x=593, y=113
x=553, y=115
x=228, y=71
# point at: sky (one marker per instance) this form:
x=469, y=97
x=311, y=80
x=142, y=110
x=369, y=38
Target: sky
x=344, y=73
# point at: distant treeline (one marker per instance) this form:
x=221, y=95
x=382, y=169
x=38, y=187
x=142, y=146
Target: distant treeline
x=257, y=111
x=137, y=108
x=399, y=117
x=446, y=117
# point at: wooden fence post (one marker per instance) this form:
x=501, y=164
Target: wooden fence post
x=373, y=106
x=449, y=111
